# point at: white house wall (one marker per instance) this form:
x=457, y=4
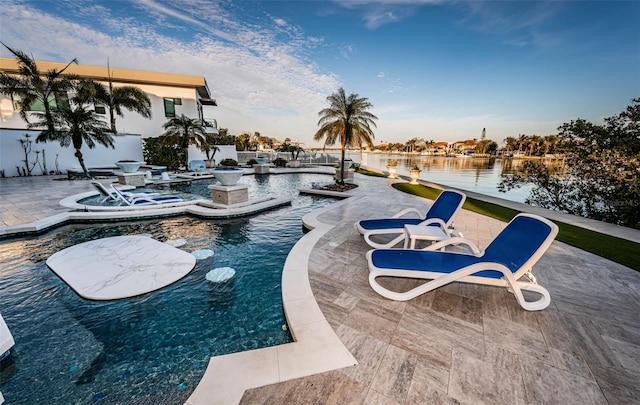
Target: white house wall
x=131, y=122
x=127, y=147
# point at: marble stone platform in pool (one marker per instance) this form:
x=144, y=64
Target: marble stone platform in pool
x=120, y=266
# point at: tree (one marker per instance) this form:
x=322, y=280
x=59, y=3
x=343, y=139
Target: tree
x=128, y=97
x=115, y=99
x=510, y=143
x=183, y=131
x=74, y=126
x=290, y=148
x=347, y=121
x=243, y=141
x=601, y=177
x=32, y=86
x=209, y=146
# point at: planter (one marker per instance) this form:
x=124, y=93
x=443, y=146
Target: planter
x=262, y=160
x=210, y=163
x=347, y=164
x=392, y=172
x=294, y=163
x=228, y=176
x=414, y=175
x=129, y=167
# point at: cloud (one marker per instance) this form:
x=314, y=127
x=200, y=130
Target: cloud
x=376, y=13
x=256, y=72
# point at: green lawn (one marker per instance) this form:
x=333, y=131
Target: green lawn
x=615, y=249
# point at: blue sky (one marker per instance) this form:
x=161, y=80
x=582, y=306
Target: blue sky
x=439, y=70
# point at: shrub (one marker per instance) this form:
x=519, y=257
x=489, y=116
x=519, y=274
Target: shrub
x=228, y=162
x=159, y=155
x=252, y=162
x=280, y=162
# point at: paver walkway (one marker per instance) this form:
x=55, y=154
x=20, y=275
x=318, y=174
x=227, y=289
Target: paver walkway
x=469, y=344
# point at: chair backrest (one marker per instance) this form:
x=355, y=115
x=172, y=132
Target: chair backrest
x=101, y=188
x=196, y=165
x=522, y=242
x=446, y=205
x=121, y=196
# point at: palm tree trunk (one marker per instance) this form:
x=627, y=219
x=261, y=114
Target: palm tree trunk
x=342, y=166
x=112, y=120
x=78, y=154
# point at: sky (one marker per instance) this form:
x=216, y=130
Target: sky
x=437, y=70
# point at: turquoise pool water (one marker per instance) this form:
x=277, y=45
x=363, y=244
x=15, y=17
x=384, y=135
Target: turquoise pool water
x=153, y=348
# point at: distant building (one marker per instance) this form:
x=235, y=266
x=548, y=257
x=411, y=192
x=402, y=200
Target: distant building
x=437, y=149
x=171, y=95
x=464, y=147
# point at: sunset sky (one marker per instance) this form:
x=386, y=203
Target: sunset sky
x=439, y=70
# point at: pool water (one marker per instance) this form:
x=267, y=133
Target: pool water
x=283, y=185
x=152, y=348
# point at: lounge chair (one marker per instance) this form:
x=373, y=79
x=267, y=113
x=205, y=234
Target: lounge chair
x=197, y=166
x=440, y=214
x=145, y=200
x=506, y=262
x=106, y=195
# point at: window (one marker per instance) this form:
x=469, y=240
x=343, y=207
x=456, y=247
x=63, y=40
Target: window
x=99, y=108
x=55, y=100
x=169, y=106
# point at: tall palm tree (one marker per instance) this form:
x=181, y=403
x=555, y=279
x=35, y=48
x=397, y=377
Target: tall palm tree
x=347, y=121
x=75, y=126
x=31, y=86
x=183, y=131
x=128, y=97
x=115, y=99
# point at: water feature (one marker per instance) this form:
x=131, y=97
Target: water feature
x=154, y=347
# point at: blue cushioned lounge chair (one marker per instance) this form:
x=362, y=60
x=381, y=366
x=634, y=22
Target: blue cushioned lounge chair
x=506, y=262
x=144, y=200
x=197, y=166
x=440, y=214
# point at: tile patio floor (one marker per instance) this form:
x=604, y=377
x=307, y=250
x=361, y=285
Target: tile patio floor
x=461, y=344
x=466, y=344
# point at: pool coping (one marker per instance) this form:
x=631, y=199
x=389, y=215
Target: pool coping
x=199, y=208
x=316, y=348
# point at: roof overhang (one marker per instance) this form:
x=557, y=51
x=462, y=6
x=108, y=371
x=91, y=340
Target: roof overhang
x=129, y=76
x=208, y=101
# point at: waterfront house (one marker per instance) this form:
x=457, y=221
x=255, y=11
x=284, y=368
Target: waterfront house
x=171, y=95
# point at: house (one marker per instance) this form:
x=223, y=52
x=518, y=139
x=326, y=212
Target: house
x=436, y=149
x=464, y=147
x=171, y=95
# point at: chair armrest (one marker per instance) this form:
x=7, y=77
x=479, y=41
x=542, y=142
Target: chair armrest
x=456, y=241
x=407, y=211
x=437, y=221
x=399, y=238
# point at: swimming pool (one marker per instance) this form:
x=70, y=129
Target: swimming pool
x=152, y=348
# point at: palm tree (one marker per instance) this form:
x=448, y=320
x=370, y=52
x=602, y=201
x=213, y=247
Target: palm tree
x=114, y=98
x=346, y=120
x=510, y=143
x=32, y=86
x=127, y=97
x=75, y=126
x=183, y=131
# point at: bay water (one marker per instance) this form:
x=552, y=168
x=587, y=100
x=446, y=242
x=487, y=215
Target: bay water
x=480, y=175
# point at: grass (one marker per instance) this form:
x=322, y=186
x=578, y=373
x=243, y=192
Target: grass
x=370, y=173
x=610, y=247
